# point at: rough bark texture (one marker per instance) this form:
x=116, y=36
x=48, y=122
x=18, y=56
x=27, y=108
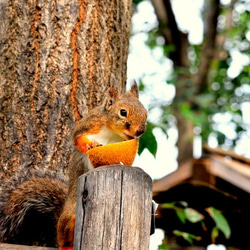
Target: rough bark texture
x=57, y=60
x=114, y=208
x=173, y=36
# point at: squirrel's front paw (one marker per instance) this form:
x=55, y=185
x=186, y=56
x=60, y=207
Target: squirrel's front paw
x=95, y=144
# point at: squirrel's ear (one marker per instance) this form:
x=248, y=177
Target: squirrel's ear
x=112, y=96
x=134, y=89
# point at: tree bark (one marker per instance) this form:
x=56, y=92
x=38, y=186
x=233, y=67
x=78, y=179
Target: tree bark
x=57, y=60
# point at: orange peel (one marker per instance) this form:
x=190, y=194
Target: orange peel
x=116, y=153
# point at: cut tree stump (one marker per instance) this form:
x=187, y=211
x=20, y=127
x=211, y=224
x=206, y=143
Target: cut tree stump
x=114, y=208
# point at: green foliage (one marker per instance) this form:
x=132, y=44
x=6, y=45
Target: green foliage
x=187, y=214
x=221, y=223
x=163, y=246
x=137, y=1
x=183, y=212
x=141, y=86
x=222, y=94
x=187, y=236
x=193, y=215
x=148, y=141
x=152, y=35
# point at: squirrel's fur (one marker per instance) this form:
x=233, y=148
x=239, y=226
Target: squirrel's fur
x=30, y=205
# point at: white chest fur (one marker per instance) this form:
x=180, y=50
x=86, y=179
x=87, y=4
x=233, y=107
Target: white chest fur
x=105, y=136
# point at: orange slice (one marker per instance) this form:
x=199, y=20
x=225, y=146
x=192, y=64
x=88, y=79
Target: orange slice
x=116, y=153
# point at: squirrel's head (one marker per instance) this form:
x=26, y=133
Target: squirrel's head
x=126, y=115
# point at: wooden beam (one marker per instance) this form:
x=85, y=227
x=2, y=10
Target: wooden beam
x=231, y=171
x=4, y=246
x=228, y=153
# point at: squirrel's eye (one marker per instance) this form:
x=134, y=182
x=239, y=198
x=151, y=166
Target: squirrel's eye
x=123, y=112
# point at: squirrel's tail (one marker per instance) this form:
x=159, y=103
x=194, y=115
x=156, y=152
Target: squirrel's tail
x=30, y=205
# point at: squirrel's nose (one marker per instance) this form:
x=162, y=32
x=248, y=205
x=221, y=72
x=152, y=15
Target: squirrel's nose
x=140, y=130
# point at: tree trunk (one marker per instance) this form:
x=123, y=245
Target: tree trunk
x=173, y=36
x=57, y=60
x=187, y=85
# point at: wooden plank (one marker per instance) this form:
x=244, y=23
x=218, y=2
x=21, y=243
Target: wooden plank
x=4, y=246
x=229, y=153
x=114, y=209
x=233, y=172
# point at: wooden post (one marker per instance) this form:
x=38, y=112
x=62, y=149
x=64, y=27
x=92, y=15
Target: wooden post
x=114, y=207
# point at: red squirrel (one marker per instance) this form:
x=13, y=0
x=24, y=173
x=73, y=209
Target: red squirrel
x=121, y=117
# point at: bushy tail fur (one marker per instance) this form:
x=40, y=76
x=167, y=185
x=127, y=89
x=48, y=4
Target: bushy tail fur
x=30, y=205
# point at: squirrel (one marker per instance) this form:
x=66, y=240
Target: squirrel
x=121, y=117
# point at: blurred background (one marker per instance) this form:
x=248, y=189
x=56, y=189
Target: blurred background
x=191, y=60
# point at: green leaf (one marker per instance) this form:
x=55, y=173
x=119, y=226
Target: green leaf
x=193, y=215
x=181, y=215
x=220, y=221
x=168, y=48
x=148, y=140
x=214, y=234
x=186, y=110
x=169, y=205
x=163, y=246
x=204, y=100
x=187, y=236
x=141, y=85
x=137, y=1
x=182, y=203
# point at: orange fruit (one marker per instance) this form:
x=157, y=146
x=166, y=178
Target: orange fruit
x=116, y=153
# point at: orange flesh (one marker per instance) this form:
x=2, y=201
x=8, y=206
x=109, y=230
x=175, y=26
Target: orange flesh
x=116, y=153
